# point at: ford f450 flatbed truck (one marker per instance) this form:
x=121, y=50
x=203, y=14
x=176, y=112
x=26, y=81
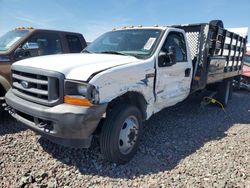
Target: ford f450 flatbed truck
x=25, y=42
x=121, y=79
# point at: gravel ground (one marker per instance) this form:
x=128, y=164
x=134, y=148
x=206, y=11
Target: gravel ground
x=182, y=146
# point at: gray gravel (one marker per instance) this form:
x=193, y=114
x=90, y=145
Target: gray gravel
x=182, y=146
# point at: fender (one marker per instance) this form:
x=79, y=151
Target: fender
x=135, y=77
x=5, y=83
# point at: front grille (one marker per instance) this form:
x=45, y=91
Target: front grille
x=38, y=86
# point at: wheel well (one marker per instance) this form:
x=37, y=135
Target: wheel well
x=133, y=98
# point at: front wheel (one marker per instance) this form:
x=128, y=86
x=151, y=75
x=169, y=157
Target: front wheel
x=120, y=133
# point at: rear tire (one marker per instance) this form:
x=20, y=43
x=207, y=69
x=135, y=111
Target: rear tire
x=224, y=92
x=120, y=133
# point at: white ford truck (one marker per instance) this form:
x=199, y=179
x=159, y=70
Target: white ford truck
x=120, y=80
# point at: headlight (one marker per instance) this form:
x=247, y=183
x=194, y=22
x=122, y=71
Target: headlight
x=81, y=91
x=77, y=88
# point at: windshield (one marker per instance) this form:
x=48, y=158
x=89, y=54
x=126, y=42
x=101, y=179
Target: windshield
x=136, y=42
x=10, y=38
x=247, y=60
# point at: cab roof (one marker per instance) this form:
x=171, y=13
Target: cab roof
x=140, y=27
x=21, y=28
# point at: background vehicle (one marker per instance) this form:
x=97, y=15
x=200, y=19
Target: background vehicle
x=28, y=42
x=243, y=81
x=122, y=79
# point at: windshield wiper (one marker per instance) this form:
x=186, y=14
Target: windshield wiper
x=113, y=52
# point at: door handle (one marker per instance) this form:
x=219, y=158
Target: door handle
x=187, y=72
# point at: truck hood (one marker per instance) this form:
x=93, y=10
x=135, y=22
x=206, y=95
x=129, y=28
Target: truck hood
x=77, y=66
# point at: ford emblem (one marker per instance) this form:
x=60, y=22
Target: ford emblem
x=25, y=84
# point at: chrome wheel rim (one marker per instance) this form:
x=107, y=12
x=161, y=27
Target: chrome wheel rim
x=128, y=135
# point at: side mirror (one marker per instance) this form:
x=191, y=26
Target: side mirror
x=27, y=50
x=19, y=54
x=167, y=59
x=31, y=46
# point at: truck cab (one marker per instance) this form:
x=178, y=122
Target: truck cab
x=22, y=43
x=66, y=97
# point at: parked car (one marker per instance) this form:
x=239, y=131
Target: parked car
x=22, y=43
x=243, y=81
x=120, y=80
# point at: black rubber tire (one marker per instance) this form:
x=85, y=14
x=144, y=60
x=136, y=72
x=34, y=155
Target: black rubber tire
x=224, y=92
x=109, y=137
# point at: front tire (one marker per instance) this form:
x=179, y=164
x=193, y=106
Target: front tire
x=120, y=133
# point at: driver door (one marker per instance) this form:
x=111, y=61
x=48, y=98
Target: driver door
x=173, y=80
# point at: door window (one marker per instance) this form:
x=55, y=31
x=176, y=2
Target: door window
x=48, y=43
x=176, y=40
x=74, y=44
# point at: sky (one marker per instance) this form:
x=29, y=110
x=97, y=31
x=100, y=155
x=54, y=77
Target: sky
x=92, y=17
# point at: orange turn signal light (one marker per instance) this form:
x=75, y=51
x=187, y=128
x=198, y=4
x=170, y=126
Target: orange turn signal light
x=77, y=101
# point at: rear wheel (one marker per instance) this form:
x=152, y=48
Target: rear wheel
x=120, y=133
x=224, y=92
